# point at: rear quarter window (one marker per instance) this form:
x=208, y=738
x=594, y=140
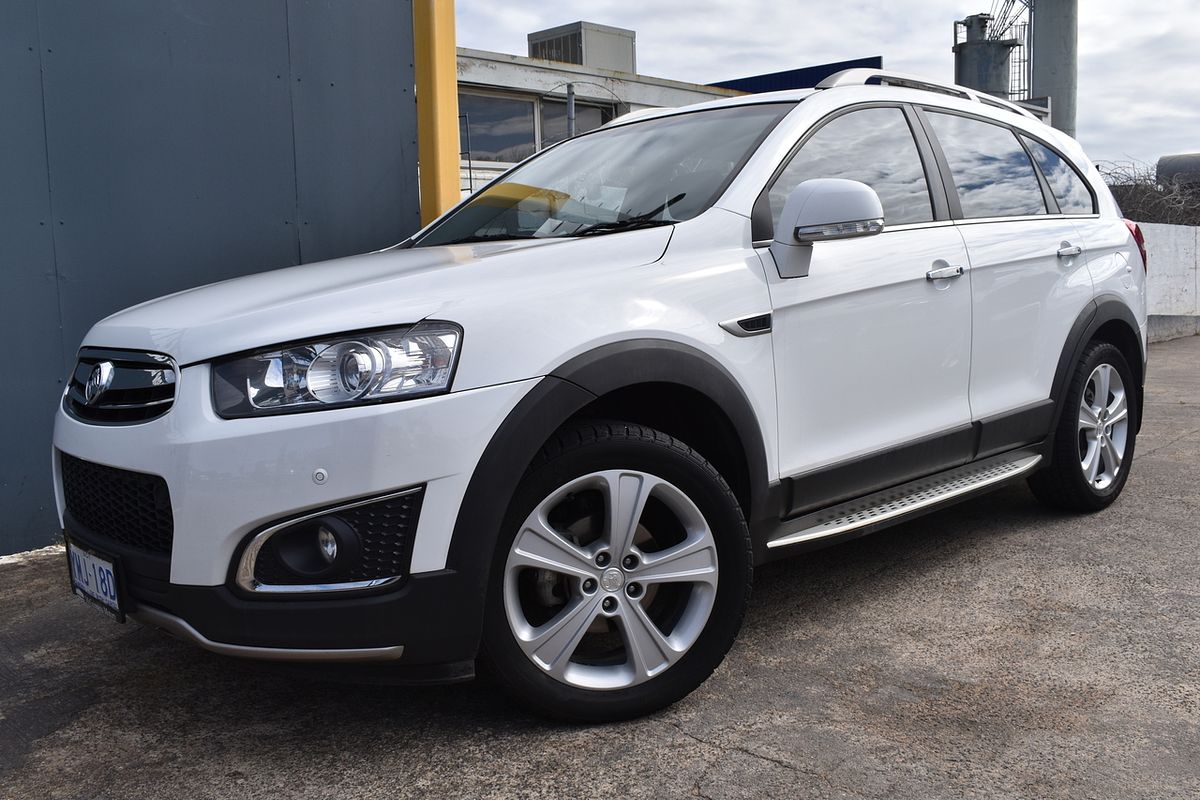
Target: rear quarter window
x=1068, y=188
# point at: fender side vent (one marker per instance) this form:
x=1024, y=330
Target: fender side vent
x=749, y=326
x=759, y=324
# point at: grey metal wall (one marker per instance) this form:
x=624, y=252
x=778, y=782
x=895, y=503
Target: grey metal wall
x=151, y=145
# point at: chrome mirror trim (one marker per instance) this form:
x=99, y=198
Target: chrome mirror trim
x=838, y=230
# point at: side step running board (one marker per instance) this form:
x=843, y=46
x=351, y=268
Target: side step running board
x=909, y=499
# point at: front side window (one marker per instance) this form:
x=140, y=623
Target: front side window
x=1068, y=188
x=991, y=170
x=653, y=172
x=873, y=146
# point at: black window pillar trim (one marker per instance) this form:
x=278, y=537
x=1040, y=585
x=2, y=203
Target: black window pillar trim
x=947, y=179
x=1048, y=197
x=934, y=172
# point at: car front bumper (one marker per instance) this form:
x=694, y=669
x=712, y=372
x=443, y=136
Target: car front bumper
x=230, y=478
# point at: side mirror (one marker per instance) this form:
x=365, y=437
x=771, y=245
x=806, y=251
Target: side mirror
x=823, y=209
x=829, y=208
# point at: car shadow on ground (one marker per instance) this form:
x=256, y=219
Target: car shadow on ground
x=823, y=583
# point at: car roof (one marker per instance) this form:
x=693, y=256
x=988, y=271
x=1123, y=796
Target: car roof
x=878, y=82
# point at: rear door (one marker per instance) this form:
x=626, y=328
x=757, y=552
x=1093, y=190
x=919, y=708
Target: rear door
x=872, y=357
x=1029, y=274
x=1113, y=260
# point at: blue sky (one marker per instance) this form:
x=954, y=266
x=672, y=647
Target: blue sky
x=1137, y=72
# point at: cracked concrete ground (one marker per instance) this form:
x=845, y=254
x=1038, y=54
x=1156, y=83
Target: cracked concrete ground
x=991, y=650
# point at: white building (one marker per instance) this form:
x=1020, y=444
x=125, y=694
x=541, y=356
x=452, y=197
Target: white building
x=511, y=106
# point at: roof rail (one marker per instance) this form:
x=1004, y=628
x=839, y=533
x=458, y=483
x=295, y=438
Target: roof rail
x=860, y=76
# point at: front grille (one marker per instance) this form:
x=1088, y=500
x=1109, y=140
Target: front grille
x=120, y=387
x=132, y=508
x=385, y=530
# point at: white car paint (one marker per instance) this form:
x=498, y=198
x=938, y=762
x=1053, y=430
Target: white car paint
x=1025, y=300
x=852, y=336
x=228, y=477
x=866, y=353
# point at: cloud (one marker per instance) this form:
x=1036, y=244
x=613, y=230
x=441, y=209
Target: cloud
x=1136, y=68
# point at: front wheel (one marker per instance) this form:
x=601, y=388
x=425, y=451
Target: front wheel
x=621, y=577
x=1094, y=442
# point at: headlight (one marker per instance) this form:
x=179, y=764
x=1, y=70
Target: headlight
x=335, y=371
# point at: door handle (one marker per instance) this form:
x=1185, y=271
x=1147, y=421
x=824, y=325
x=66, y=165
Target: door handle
x=942, y=273
x=1069, y=250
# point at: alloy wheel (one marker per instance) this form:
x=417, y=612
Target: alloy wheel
x=1103, y=427
x=610, y=580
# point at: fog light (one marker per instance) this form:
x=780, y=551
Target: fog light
x=327, y=541
x=321, y=550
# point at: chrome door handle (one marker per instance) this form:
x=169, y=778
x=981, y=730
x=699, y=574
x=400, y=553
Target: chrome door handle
x=943, y=273
x=1069, y=250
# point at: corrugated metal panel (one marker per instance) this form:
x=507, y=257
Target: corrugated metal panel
x=356, y=140
x=29, y=320
x=170, y=139
x=178, y=144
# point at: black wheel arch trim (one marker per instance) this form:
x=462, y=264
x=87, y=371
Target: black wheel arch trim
x=555, y=399
x=640, y=361
x=1100, y=311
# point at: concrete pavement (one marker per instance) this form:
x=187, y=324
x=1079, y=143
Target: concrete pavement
x=994, y=649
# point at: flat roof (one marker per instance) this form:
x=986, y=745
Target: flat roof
x=579, y=69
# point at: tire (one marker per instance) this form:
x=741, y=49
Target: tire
x=1088, y=468
x=572, y=642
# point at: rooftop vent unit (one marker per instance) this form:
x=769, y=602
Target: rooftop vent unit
x=586, y=44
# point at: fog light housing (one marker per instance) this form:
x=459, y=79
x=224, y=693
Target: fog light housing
x=324, y=549
x=359, y=545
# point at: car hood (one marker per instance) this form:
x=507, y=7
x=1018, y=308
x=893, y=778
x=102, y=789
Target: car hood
x=388, y=287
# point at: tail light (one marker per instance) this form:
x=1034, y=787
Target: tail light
x=1141, y=242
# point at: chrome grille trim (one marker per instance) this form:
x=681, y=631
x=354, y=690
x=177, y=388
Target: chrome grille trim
x=120, y=387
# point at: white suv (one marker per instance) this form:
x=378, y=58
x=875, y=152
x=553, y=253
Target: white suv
x=559, y=427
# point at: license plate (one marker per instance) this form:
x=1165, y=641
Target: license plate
x=94, y=579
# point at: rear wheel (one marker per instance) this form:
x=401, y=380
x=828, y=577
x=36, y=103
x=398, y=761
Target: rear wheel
x=1094, y=442
x=621, y=578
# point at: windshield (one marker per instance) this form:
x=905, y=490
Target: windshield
x=642, y=174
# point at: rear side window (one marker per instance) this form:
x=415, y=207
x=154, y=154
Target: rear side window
x=874, y=146
x=991, y=170
x=1068, y=188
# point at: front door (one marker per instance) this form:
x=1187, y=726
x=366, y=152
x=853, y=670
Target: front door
x=872, y=356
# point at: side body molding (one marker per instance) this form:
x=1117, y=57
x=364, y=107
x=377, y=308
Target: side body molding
x=555, y=399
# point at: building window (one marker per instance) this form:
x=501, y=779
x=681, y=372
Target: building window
x=554, y=120
x=509, y=128
x=498, y=128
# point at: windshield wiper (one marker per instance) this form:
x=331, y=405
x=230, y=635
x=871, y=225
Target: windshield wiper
x=643, y=220
x=620, y=225
x=490, y=237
